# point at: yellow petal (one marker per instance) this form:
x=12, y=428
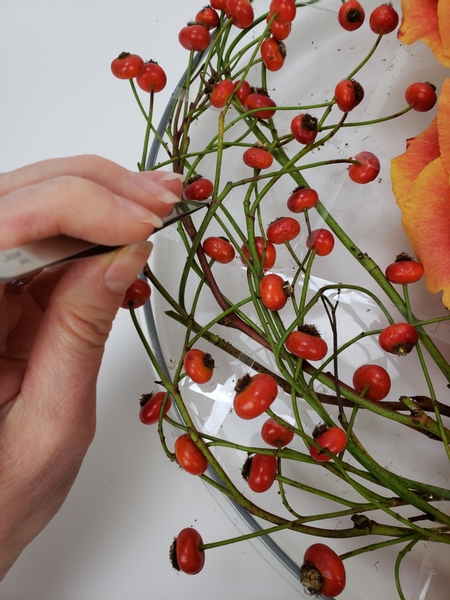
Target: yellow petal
x=426, y=221
x=443, y=10
x=419, y=19
x=405, y=168
x=443, y=124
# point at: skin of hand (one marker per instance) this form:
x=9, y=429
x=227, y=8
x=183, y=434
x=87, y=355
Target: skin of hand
x=54, y=328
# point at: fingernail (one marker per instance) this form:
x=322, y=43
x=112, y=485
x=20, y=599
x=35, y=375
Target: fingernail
x=169, y=176
x=156, y=176
x=168, y=198
x=126, y=266
x=139, y=212
x=161, y=193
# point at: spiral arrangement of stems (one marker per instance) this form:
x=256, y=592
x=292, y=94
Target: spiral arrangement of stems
x=380, y=491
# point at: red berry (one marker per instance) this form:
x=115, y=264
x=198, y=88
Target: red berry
x=198, y=188
x=188, y=456
x=257, y=157
x=421, y=96
x=151, y=405
x=333, y=439
x=218, y=4
x=241, y=11
x=285, y=10
x=199, y=365
x=348, y=94
x=351, y=15
x=273, y=433
x=127, y=66
x=374, y=379
x=254, y=395
x=273, y=54
x=221, y=93
x=307, y=343
x=259, y=471
x=243, y=90
x=383, y=19
x=263, y=248
x=399, y=338
x=280, y=31
x=320, y=240
x=137, y=294
x=274, y=291
x=404, y=270
x=195, y=37
x=282, y=230
x=259, y=99
x=219, y=249
x=186, y=553
x=367, y=170
x=302, y=199
x=208, y=17
x=152, y=78
x=323, y=571
x=304, y=128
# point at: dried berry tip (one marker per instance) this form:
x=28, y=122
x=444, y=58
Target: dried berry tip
x=319, y=429
x=173, y=555
x=310, y=123
x=245, y=471
x=288, y=289
x=354, y=15
x=402, y=349
x=208, y=361
x=194, y=178
x=242, y=383
x=311, y=579
x=310, y=330
x=402, y=257
x=145, y=398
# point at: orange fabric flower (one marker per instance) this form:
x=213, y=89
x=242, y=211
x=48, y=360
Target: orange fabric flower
x=429, y=21
x=421, y=184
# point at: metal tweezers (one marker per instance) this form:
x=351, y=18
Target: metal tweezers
x=21, y=263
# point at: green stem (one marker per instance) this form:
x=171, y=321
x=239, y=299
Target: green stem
x=377, y=546
x=147, y=133
x=400, y=557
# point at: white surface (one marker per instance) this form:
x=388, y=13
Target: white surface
x=111, y=538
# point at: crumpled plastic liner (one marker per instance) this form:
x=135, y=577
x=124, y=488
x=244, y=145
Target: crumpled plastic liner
x=316, y=61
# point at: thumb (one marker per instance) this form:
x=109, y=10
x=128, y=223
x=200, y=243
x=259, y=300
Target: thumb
x=61, y=378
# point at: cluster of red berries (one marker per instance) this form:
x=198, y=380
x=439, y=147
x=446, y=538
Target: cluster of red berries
x=273, y=50
x=255, y=394
x=383, y=19
x=149, y=76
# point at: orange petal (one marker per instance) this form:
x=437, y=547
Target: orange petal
x=443, y=10
x=405, y=168
x=427, y=224
x=419, y=19
x=420, y=22
x=443, y=124
x=435, y=43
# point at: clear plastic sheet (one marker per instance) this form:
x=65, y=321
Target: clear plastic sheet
x=319, y=55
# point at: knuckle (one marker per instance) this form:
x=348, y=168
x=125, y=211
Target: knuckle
x=86, y=332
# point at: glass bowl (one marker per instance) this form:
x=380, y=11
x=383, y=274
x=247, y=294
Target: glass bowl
x=319, y=54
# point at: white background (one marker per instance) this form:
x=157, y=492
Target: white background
x=111, y=538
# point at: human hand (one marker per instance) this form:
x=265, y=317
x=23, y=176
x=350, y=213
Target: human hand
x=53, y=329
